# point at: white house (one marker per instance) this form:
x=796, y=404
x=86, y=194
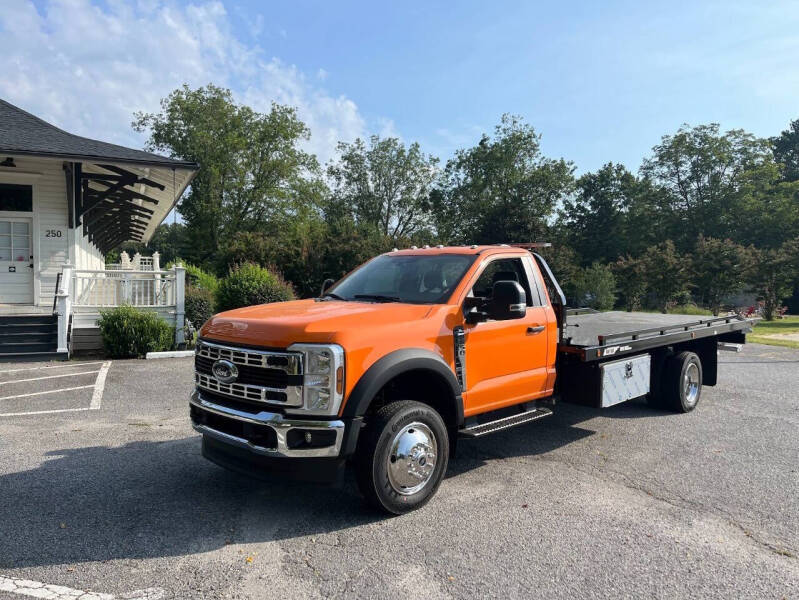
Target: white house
x=65, y=201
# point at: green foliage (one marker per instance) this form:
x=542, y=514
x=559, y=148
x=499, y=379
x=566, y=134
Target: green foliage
x=384, y=185
x=665, y=273
x=774, y=272
x=200, y=278
x=253, y=170
x=595, y=287
x=719, y=268
x=631, y=281
x=501, y=190
x=112, y=257
x=688, y=309
x=601, y=221
x=130, y=333
x=786, y=151
x=258, y=197
x=703, y=172
x=248, y=284
x=199, y=305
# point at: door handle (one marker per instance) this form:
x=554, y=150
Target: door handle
x=535, y=329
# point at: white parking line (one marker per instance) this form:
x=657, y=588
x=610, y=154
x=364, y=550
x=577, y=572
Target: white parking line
x=99, y=386
x=36, y=589
x=69, y=389
x=64, y=366
x=95, y=404
x=48, y=377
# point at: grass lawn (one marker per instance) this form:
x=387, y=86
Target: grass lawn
x=763, y=328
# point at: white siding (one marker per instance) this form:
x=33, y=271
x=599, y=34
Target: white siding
x=51, y=235
x=50, y=214
x=86, y=255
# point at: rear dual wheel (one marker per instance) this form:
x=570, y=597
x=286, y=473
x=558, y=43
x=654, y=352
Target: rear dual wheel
x=402, y=456
x=680, y=384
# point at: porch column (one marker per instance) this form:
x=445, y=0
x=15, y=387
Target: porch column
x=64, y=307
x=180, y=304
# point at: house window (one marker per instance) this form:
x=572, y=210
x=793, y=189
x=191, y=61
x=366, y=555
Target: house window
x=16, y=198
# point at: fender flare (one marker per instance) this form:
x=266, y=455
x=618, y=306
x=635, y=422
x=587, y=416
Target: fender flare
x=396, y=363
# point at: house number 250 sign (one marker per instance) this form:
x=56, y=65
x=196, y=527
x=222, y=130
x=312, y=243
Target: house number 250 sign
x=53, y=233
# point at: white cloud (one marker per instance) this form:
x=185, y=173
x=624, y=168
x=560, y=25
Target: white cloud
x=88, y=68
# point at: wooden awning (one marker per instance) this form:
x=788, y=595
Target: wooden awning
x=115, y=203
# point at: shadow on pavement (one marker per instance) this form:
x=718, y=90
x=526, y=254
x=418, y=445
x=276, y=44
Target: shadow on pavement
x=159, y=499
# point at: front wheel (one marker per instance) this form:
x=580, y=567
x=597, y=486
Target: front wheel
x=402, y=456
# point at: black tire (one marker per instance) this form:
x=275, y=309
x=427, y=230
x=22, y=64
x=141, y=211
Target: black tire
x=681, y=385
x=413, y=425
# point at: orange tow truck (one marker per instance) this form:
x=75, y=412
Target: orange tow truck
x=419, y=347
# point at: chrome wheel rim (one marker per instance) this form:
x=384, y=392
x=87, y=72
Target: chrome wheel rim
x=691, y=384
x=412, y=458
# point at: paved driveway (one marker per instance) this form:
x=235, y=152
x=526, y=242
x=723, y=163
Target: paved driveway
x=112, y=497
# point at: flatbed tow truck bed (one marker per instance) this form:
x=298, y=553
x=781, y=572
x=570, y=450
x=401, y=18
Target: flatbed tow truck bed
x=595, y=335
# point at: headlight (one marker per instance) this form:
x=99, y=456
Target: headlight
x=323, y=377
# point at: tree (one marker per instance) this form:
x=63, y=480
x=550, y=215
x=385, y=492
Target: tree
x=774, y=272
x=719, y=268
x=703, y=172
x=786, y=151
x=631, y=281
x=595, y=287
x=501, y=190
x=252, y=170
x=168, y=239
x=385, y=185
x=665, y=273
x=597, y=220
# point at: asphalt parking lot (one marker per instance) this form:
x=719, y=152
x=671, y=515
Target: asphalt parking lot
x=104, y=494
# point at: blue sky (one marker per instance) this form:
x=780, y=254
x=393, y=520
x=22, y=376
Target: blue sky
x=601, y=81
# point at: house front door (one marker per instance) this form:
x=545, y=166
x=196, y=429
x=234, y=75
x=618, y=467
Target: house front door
x=16, y=260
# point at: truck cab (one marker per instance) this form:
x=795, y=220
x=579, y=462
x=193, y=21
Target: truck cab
x=390, y=366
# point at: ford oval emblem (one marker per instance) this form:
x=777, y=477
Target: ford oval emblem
x=225, y=371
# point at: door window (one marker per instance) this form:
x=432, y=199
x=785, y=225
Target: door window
x=18, y=198
x=15, y=241
x=503, y=269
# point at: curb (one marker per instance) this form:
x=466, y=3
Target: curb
x=169, y=354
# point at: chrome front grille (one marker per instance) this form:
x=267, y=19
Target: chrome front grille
x=290, y=362
x=265, y=376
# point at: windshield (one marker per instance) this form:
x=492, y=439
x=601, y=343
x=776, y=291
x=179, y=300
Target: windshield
x=426, y=279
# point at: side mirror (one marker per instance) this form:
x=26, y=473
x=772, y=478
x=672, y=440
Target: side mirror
x=325, y=286
x=508, y=301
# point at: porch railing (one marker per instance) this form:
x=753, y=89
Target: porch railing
x=104, y=289
x=83, y=291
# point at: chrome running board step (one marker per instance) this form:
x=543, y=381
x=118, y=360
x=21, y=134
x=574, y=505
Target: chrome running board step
x=505, y=423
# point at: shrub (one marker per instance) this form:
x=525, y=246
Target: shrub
x=199, y=304
x=250, y=284
x=130, y=333
x=689, y=309
x=198, y=277
x=595, y=287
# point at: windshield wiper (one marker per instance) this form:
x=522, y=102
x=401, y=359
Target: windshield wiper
x=333, y=296
x=377, y=297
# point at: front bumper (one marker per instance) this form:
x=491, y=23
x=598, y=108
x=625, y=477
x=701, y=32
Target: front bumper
x=254, y=442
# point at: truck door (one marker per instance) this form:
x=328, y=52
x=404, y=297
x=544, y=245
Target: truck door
x=512, y=361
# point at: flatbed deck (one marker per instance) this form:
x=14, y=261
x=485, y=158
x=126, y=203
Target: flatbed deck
x=595, y=335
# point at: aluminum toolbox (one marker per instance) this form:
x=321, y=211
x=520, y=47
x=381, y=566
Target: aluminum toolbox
x=624, y=379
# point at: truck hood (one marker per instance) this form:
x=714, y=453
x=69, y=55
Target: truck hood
x=283, y=323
